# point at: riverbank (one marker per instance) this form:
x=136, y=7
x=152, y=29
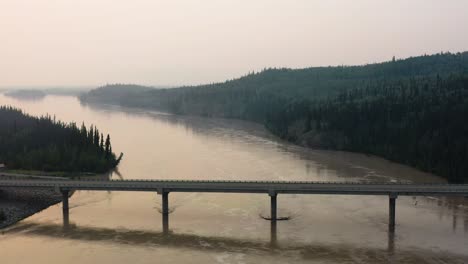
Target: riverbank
x=43, y=174
x=17, y=204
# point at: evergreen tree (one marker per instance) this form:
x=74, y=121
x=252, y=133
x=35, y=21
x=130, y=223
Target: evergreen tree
x=44, y=143
x=107, y=147
x=101, y=145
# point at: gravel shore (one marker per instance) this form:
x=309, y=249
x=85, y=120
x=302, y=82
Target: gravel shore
x=17, y=204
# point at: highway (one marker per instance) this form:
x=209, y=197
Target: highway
x=220, y=186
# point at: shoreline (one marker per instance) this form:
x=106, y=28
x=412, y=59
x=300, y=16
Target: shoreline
x=17, y=204
x=20, y=203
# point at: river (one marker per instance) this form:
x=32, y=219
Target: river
x=125, y=227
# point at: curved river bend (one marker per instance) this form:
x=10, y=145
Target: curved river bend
x=120, y=227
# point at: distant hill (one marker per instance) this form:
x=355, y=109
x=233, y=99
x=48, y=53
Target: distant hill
x=237, y=98
x=66, y=91
x=114, y=93
x=411, y=111
x=26, y=94
x=39, y=92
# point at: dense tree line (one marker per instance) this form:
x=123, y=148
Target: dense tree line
x=33, y=143
x=422, y=122
x=412, y=111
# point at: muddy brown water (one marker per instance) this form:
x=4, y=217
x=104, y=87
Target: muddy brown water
x=125, y=227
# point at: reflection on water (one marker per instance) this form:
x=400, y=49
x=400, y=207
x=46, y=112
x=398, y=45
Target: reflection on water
x=114, y=227
x=136, y=237
x=143, y=238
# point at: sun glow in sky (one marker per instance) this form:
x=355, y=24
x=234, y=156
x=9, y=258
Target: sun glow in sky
x=93, y=42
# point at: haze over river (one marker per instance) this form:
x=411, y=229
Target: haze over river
x=125, y=227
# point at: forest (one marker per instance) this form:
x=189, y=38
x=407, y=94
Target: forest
x=44, y=144
x=411, y=110
x=421, y=122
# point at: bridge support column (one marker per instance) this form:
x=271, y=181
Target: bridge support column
x=391, y=219
x=165, y=211
x=273, y=217
x=273, y=234
x=391, y=243
x=65, y=207
x=273, y=202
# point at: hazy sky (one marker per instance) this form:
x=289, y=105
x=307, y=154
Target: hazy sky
x=94, y=42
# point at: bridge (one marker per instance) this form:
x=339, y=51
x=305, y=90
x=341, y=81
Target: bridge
x=272, y=188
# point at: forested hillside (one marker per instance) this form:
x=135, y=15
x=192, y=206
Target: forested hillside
x=32, y=143
x=255, y=95
x=116, y=93
x=422, y=122
x=411, y=111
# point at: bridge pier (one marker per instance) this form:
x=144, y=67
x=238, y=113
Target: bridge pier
x=165, y=211
x=273, y=203
x=391, y=220
x=273, y=234
x=391, y=243
x=65, y=207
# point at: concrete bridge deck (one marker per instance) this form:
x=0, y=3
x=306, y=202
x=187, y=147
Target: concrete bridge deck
x=269, y=187
x=272, y=188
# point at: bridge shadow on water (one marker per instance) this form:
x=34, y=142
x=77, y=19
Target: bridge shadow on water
x=336, y=253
